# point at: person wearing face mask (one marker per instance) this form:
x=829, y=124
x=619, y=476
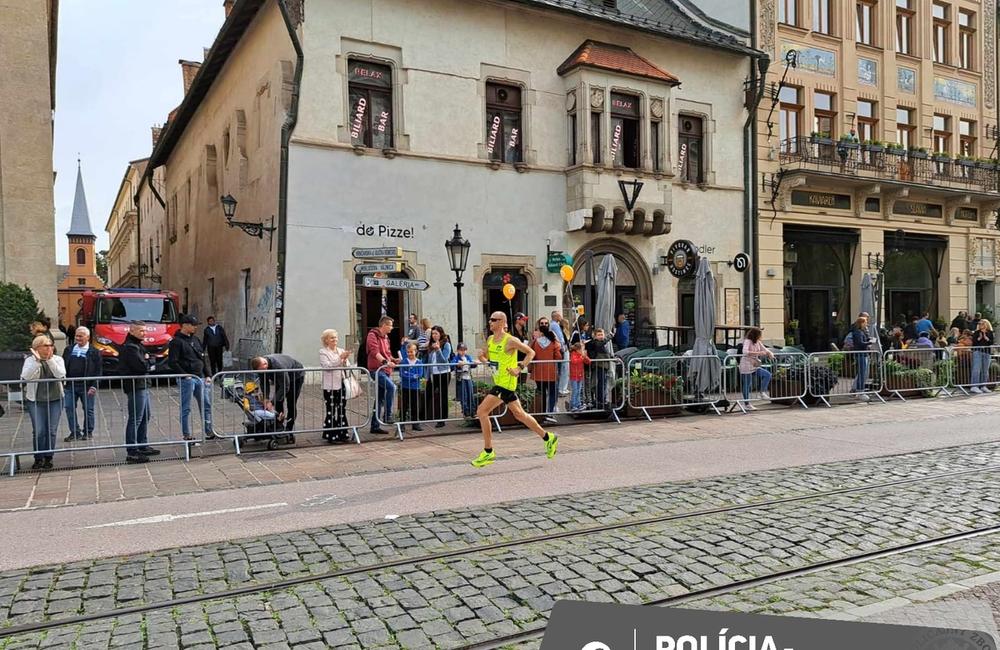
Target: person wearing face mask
x=597, y=350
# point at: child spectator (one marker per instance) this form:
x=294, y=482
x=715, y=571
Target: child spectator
x=577, y=360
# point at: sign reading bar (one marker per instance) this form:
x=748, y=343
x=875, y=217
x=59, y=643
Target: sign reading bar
x=376, y=253
x=912, y=209
x=394, y=283
x=821, y=200
x=379, y=267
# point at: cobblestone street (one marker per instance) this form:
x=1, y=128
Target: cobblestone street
x=453, y=578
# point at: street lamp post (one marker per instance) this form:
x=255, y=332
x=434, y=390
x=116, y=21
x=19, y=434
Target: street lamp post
x=458, y=257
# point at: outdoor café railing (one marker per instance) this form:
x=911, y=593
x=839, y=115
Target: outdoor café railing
x=784, y=377
x=73, y=399
x=668, y=383
x=879, y=161
x=596, y=391
x=850, y=373
x=975, y=370
x=917, y=371
x=276, y=405
x=433, y=394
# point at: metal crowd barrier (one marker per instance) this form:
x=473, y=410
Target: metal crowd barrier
x=917, y=371
x=433, y=394
x=662, y=382
x=975, y=370
x=786, y=380
x=848, y=373
x=276, y=405
x=597, y=390
x=99, y=438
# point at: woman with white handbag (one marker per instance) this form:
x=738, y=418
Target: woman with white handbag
x=337, y=384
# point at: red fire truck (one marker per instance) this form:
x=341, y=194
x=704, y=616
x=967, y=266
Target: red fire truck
x=108, y=313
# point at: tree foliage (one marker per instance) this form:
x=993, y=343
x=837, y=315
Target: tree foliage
x=102, y=265
x=18, y=308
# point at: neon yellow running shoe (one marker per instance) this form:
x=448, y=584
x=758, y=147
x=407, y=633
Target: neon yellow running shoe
x=485, y=458
x=551, y=444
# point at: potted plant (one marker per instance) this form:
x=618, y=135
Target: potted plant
x=848, y=142
x=874, y=146
x=820, y=137
x=919, y=153
x=655, y=392
x=966, y=161
x=986, y=163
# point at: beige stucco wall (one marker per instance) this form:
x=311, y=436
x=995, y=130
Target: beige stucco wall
x=27, y=212
x=248, y=101
x=956, y=285
x=121, y=228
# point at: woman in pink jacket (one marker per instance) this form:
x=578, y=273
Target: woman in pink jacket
x=332, y=356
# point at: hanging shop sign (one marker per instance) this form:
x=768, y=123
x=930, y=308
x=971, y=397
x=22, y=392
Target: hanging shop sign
x=741, y=262
x=682, y=258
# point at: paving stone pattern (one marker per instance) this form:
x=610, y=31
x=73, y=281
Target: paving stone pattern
x=455, y=601
x=100, y=585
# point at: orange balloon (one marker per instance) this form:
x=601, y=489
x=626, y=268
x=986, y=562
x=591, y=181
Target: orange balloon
x=509, y=291
x=567, y=273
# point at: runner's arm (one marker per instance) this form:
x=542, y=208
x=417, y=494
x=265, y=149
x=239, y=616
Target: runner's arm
x=515, y=344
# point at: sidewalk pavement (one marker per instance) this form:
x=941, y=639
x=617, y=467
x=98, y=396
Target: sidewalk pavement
x=917, y=424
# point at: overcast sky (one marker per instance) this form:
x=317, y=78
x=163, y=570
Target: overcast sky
x=116, y=76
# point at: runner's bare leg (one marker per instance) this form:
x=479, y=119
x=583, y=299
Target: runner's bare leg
x=526, y=419
x=486, y=407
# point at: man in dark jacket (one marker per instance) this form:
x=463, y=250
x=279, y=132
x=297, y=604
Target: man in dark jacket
x=186, y=357
x=134, y=365
x=285, y=384
x=215, y=341
x=82, y=360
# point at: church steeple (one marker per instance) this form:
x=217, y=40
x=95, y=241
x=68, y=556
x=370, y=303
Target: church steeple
x=80, y=225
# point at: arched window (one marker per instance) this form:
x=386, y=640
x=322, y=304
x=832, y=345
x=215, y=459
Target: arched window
x=81, y=256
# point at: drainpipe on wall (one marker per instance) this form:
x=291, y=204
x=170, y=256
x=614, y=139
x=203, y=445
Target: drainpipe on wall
x=758, y=70
x=281, y=297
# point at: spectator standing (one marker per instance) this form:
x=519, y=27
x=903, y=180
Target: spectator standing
x=545, y=373
x=377, y=347
x=185, y=356
x=961, y=322
x=982, y=340
x=412, y=376
x=520, y=332
x=40, y=327
x=925, y=324
x=923, y=341
x=412, y=332
x=44, y=398
x=911, y=331
x=215, y=341
x=332, y=356
x=464, y=388
x=623, y=333
x=954, y=335
x=578, y=360
x=286, y=385
x=752, y=350
x=861, y=342
x=560, y=327
x=439, y=358
x=974, y=323
x=134, y=364
x=81, y=360
x=597, y=350
x=424, y=337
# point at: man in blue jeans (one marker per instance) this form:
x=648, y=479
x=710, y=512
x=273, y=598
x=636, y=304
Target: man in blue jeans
x=82, y=360
x=133, y=364
x=186, y=357
x=379, y=355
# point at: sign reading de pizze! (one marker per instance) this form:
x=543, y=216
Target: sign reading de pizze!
x=394, y=283
x=683, y=257
x=376, y=253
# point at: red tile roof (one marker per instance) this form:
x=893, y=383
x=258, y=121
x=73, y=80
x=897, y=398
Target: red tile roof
x=617, y=59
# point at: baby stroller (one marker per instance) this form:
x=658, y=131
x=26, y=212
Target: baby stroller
x=261, y=423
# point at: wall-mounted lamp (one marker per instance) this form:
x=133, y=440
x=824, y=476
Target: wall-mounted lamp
x=256, y=229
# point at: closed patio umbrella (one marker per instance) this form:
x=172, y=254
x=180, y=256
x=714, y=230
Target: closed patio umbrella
x=705, y=373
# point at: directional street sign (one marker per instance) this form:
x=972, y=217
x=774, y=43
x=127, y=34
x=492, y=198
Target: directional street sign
x=741, y=262
x=394, y=283
x=379, y=267
x=376, y=253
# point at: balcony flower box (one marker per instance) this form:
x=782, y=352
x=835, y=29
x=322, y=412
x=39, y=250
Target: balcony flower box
x=873, y=147
x=986, y=164
x=847, y=143
x=966, y=162
x=941, y=158
x=817, y=138
x=917, y=154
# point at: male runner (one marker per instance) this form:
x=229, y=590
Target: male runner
x=501, y=354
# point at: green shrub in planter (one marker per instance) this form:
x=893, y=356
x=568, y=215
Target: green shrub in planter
x=18, y=308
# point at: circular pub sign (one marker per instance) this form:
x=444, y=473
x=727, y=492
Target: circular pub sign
x=683, y=258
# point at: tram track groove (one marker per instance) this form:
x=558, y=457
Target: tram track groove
x=286, y=583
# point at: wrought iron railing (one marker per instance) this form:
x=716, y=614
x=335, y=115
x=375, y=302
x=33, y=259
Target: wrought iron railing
x=887, y=163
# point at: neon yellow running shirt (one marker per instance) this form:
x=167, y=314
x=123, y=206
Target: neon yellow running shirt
x=501, y=360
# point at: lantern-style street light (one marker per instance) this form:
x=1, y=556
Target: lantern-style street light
x=458, y=257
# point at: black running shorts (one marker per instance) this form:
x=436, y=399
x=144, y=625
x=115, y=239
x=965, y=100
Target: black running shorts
x=504, y=394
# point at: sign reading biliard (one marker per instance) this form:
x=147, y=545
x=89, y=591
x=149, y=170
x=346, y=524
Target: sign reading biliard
x=601, y=626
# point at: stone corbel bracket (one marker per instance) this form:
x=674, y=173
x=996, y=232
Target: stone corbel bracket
x=889, y=198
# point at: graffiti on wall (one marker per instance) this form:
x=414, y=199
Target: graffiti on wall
x=260, y=325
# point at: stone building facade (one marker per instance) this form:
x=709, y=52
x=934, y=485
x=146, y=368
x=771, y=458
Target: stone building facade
x=910, y=195
x=123, y=253
x=28, y=31
x=517, y=123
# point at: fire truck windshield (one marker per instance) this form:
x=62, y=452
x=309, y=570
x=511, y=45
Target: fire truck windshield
x=124, y=310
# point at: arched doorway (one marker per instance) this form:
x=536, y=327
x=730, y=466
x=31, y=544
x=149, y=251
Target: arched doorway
x=634, y=285
x=493, y=298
